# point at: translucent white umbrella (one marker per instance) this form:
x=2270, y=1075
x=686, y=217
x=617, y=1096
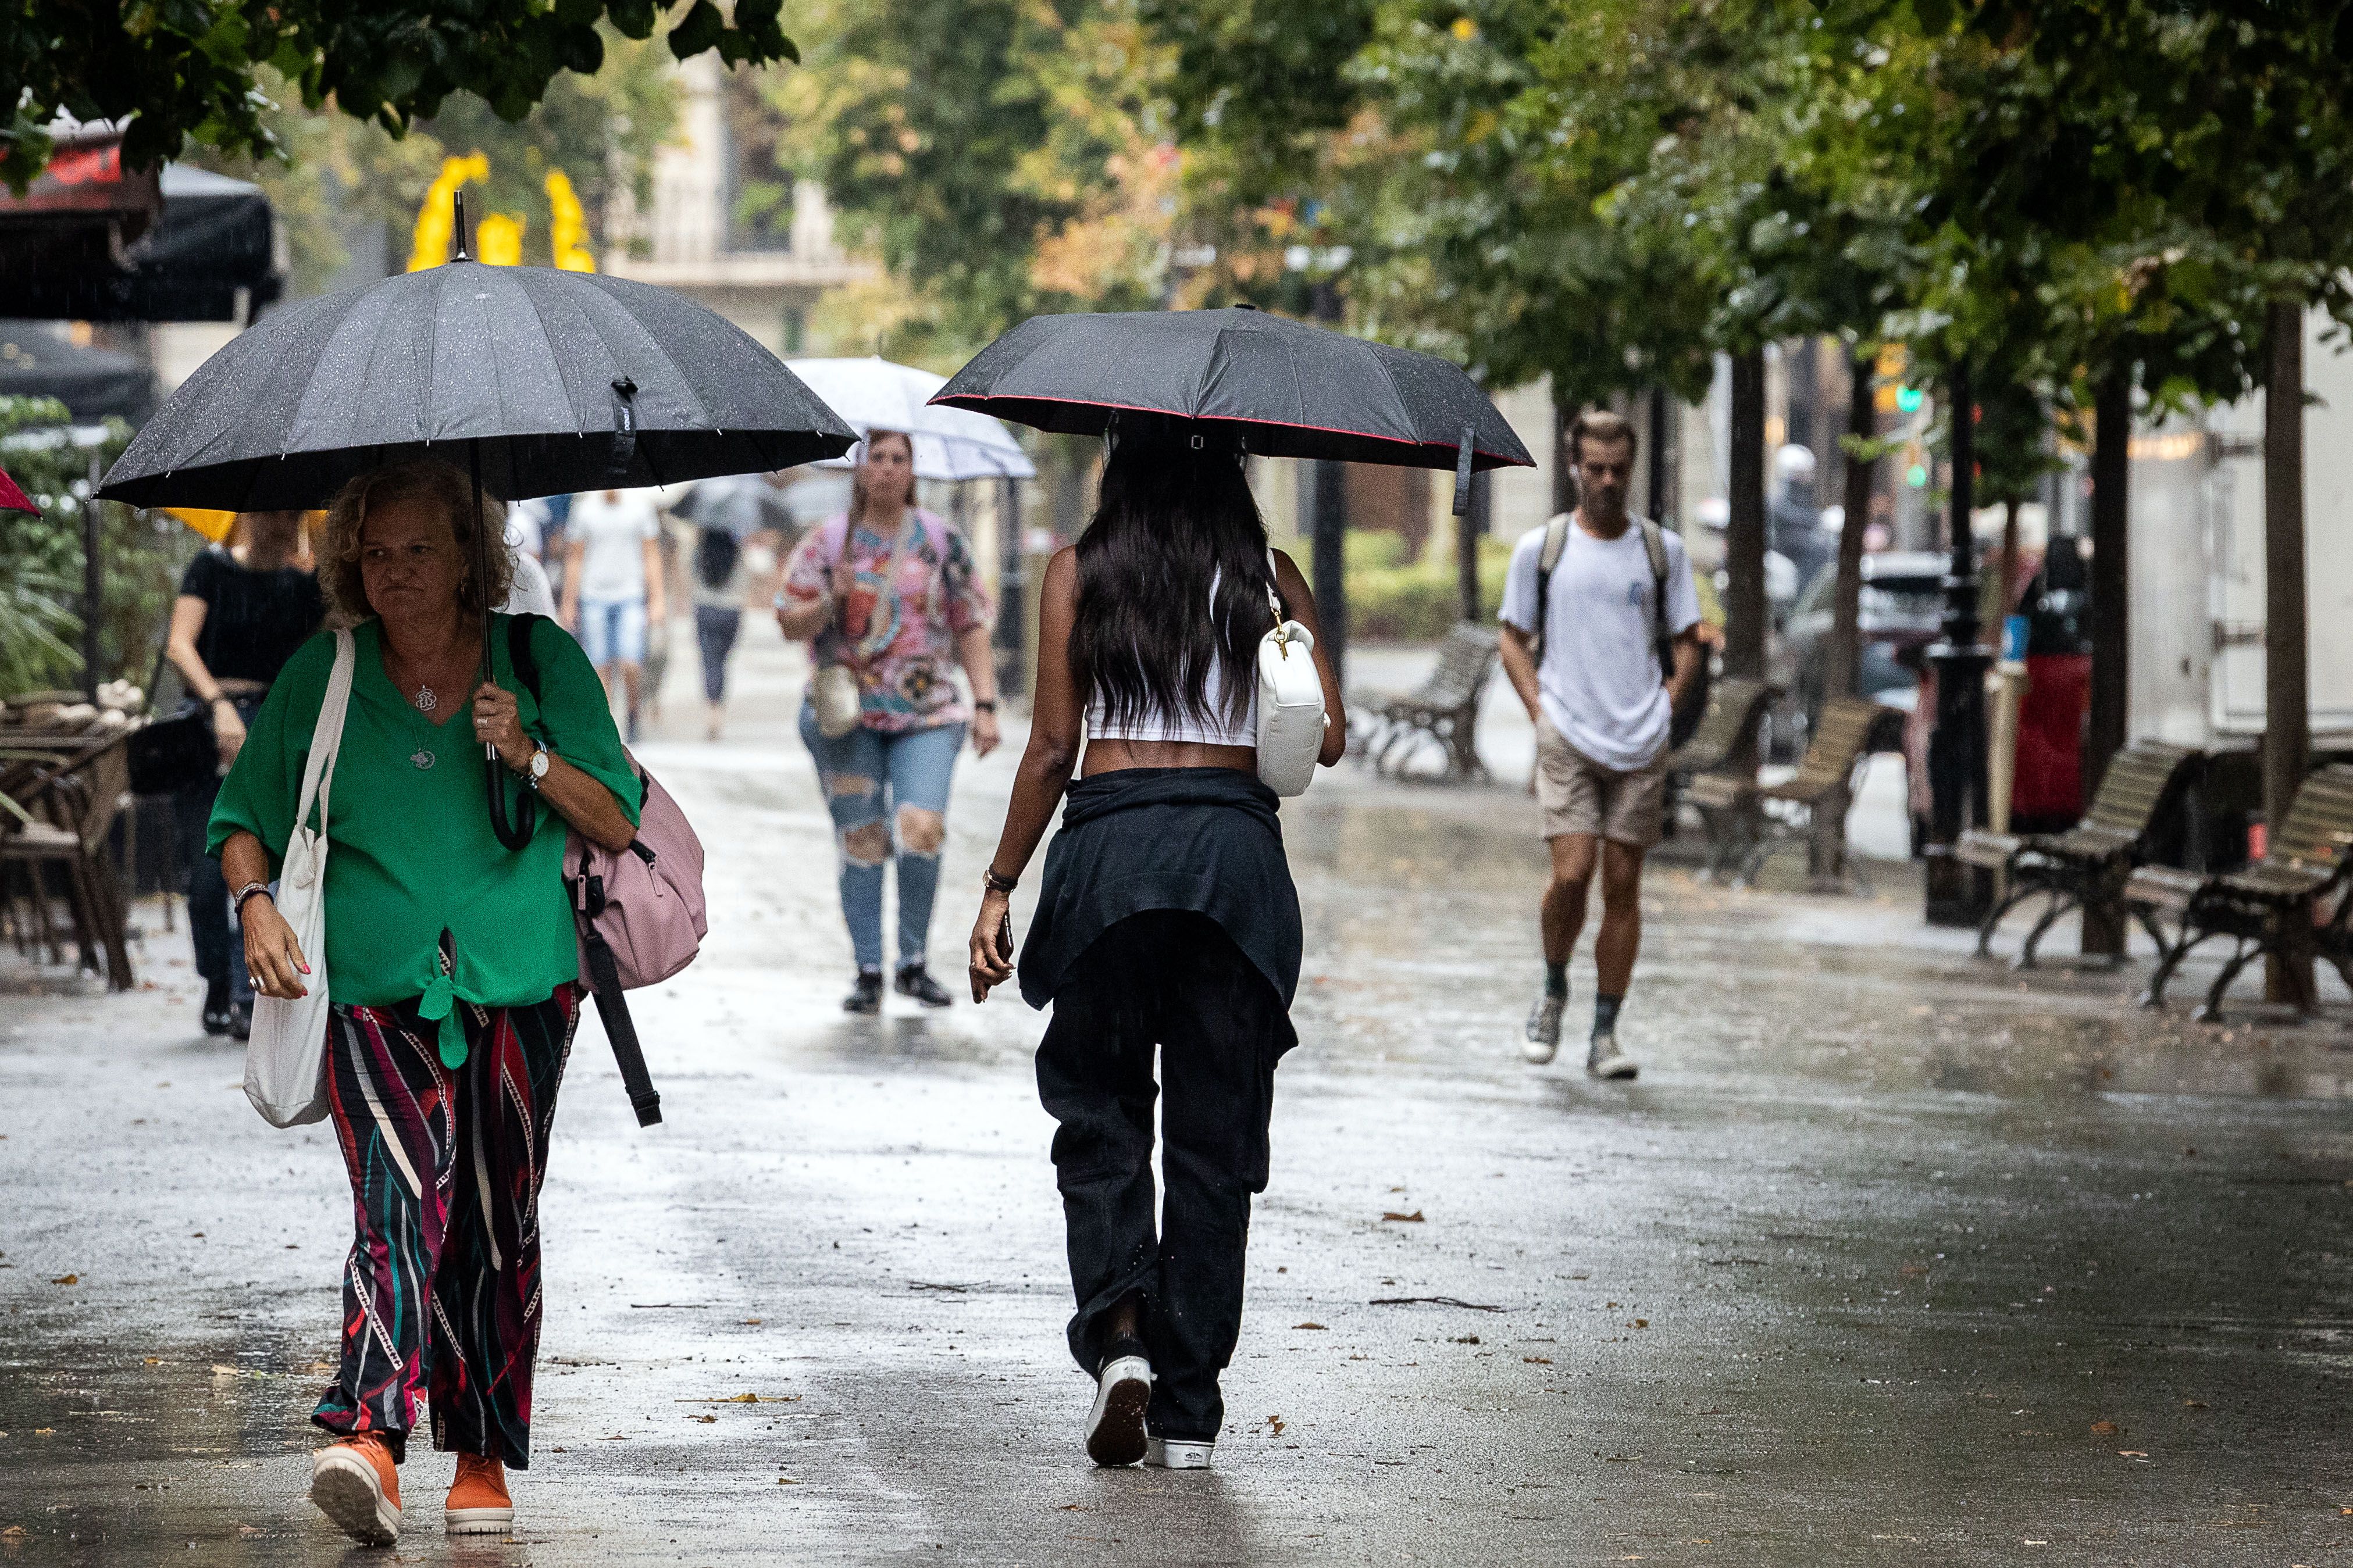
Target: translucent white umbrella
x=950, y=443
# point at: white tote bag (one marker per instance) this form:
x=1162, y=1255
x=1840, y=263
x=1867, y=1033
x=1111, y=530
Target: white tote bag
x=286, y=1057
x=1291, y=718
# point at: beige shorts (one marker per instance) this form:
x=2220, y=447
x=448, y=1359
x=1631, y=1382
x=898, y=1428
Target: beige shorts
x=1580, y=795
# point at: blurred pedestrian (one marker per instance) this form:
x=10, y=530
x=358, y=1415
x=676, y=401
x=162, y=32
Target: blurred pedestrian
x=612, y=584
x=244, y=607
x=890, y=596
x=720, y=578
x=1168, y=920
x=1599, y=643
x=452, y=968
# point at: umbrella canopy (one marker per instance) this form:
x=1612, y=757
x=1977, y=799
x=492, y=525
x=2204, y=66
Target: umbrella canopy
x=950, y=443
x=554, y=380
x=13, y=497
x=742, y=504
x=1284, y=389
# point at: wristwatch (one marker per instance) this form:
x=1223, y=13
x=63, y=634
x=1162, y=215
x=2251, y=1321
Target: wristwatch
x=537, y=769
x=996, y=884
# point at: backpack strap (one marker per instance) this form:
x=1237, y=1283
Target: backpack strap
x=1555, y=540
x=1662, y=641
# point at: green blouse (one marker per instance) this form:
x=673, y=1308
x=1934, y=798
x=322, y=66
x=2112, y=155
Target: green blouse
x=411, y=852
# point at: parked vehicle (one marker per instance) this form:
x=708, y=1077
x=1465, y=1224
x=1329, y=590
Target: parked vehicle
x=1901, y=607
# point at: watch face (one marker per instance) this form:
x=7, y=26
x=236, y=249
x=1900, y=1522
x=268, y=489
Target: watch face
x=539, y=764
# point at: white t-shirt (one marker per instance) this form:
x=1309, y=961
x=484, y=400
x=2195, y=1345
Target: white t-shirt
x=1599, y=683
x=615, y=533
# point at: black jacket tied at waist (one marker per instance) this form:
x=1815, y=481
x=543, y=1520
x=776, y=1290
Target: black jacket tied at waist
x=1205, y=839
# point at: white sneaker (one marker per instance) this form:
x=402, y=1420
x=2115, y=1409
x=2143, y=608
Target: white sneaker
x=1115, y=1425
x=1178, y=1454
x=1542, y=1038
x=1604, y=1059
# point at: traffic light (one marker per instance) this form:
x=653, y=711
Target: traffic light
x=1908, y=399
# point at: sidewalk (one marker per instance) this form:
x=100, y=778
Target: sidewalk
x=1889, y=1258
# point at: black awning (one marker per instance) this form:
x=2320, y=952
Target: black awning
x=93, y=382
x=212, y=240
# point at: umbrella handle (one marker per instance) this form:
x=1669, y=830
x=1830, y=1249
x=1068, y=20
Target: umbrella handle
x=515, y=827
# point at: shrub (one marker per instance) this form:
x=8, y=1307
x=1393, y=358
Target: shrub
x=40, y=586
x=1391, y=599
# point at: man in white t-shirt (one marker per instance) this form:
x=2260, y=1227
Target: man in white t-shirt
x=613, y=584
x=1592, y=678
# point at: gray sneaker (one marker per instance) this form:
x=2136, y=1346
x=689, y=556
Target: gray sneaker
x=1604, y=1059
x=1541, y=1041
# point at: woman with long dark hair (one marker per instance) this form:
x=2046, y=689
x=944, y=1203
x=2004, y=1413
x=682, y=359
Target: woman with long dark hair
x=1168, y=920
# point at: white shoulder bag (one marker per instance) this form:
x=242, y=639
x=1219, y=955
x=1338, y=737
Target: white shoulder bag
x=286, y=1058
x=1291, y=718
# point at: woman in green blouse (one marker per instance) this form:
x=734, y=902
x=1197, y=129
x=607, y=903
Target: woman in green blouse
x=452, y=970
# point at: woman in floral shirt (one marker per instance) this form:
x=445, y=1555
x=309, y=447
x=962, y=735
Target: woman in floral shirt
x=889, y=592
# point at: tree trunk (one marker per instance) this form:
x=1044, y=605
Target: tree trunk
x=1662, y=510
x=1743, y=539
x=2104, y=730
x=2287, y=714
x=1843, y=660
x=1957, y=892
x=1563, y=462
x=1330, y=558
x=1469, y=529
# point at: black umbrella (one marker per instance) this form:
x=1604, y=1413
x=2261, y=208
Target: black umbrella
x=542, y=381
x=1281, y=388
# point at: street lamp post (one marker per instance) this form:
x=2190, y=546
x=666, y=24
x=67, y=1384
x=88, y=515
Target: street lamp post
x=1956, y=746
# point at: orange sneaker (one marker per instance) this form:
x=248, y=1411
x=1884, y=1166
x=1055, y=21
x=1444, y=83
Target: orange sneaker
x=479, y=1504
x=355, y=1484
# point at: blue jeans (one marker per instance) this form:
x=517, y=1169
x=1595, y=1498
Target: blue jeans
x=613, y=631
x=888, y=794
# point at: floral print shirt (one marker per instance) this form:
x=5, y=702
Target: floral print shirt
x=897, y=637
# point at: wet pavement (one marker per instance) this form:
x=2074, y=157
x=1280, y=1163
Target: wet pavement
x=1890, y=1257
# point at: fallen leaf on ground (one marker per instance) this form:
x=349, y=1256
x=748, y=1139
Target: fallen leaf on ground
x=752, y=1322
x=786, y=1481
x=2200, y=1404
x=2132, y=1453
x=1468, y=1339
x=1307, y=1325
x=76, y=1278
x=706, y=1420
x=1392, y=1217
x=1537, y=1360
x=2105, y=1429
x=1641, y=1322
x=1075, y=1508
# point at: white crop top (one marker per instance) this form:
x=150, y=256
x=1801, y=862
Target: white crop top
x=1158, y=724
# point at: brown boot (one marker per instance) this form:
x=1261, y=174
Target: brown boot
x=355, y=1484
x=478, y=1503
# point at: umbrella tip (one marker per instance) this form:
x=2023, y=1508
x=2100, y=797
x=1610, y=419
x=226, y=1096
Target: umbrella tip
x=458, y=227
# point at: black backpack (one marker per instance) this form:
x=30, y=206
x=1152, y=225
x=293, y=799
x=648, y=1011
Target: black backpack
x=715, y=554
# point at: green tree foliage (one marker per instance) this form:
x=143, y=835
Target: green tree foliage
x=328, y=169
x=1003, y=159
x=41, y=557
x=187, y=70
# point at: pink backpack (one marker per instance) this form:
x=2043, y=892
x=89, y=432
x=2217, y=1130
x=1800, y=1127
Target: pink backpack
x=644, y=905
x=639, y=911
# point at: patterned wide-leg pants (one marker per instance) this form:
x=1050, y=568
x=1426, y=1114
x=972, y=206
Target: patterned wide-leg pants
x=441, y=1289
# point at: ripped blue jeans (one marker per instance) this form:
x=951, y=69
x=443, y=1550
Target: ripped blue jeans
x=888, y=794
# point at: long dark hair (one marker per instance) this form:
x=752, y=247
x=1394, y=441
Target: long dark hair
x=1172, y=519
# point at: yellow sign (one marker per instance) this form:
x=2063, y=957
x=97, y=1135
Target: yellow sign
x=429, y=244
x=568, y=232
x=498, y=239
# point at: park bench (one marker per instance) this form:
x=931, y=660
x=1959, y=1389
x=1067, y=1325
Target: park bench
x=1442, y=711
x=2085, y=867
x=1733, y=806
x=2267, y=909
x=1725, y=741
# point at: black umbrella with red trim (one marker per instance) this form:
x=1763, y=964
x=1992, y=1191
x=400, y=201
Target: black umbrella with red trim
x=1276, y=387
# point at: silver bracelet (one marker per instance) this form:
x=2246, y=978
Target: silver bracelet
x=247, y=891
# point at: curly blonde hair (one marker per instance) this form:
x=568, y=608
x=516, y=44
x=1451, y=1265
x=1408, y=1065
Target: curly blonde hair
x=414, y=479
